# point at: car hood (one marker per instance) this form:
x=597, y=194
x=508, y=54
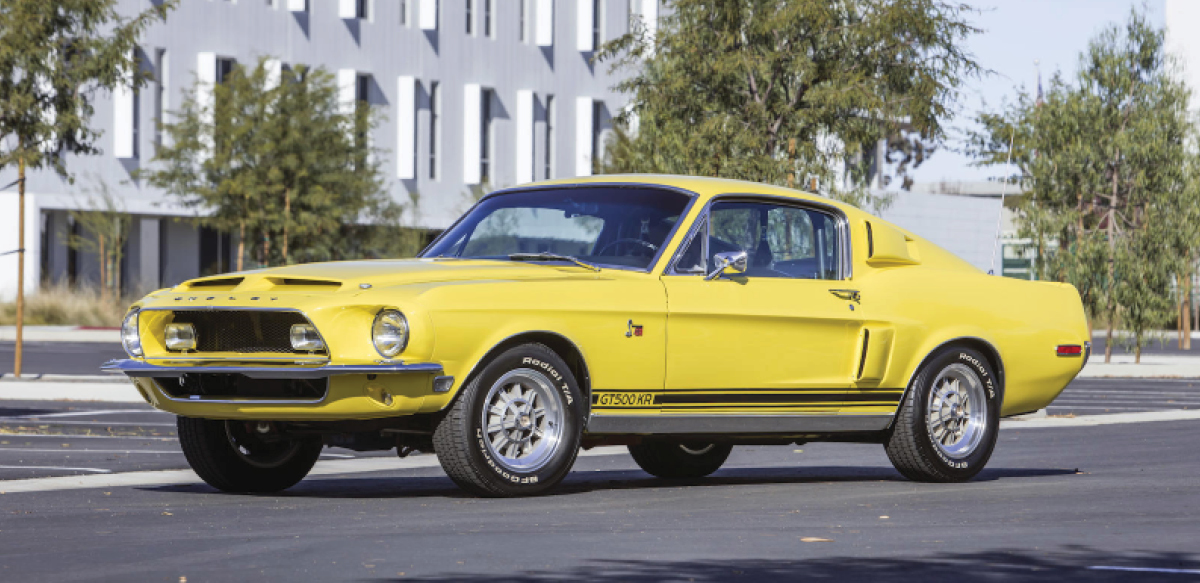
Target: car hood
x=356, y=275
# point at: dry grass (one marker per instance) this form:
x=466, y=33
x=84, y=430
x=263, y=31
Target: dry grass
x=61, y=306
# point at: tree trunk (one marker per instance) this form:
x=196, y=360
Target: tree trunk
x=266, y=249
x=103, y=268
x=19, y=352
x=287, y=218
x=1187, y=311
x=1137, y=352
x=241, y=243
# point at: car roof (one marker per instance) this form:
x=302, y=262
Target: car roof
x=704, y=187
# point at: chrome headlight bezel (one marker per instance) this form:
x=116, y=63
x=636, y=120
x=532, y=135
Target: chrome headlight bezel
x=131, y=336
x=390, y=332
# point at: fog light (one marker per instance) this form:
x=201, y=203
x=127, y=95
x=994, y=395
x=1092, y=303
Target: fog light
x=181, y=337
x=305, y=337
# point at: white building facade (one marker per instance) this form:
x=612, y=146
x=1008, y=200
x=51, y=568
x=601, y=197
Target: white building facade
x=475, y=93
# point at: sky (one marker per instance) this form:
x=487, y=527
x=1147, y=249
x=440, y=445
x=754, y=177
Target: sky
x=1015, y=34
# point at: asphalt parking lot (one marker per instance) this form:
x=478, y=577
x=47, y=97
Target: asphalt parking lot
x=1107, y=503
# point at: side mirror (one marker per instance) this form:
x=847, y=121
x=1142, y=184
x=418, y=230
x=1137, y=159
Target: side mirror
x=731, y=262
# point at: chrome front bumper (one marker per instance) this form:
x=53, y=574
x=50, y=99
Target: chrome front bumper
x=137, y=368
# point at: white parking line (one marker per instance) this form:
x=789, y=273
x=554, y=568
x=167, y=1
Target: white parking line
x=62, y=436
x=176, y=477
x=104, y=451
x=34, y=421
x=1093, y=420
x=1145, y=570
x=85, y=413
x=96, y=470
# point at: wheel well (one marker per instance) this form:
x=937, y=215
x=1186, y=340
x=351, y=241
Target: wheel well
x=561, y=346
x=982, y=346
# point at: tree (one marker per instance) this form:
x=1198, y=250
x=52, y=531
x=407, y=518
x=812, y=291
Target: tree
x=55, y=55
x=789, y=92
x=1102, y=161
x=105, y=228
x=281, y=164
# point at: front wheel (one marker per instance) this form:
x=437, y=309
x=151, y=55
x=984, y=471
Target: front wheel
x=245, y=456
x=948, y=424
x=515, y=428
x=680, y=460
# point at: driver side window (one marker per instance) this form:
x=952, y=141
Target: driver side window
x=780, y=241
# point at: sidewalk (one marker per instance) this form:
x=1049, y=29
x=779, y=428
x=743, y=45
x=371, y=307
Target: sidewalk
x=61, y=334
x=109, y=389
x=1152, y=366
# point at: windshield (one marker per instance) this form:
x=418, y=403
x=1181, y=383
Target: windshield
x=608, y=226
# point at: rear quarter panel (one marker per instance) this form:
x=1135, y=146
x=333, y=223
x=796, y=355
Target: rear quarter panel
x=1024, y=322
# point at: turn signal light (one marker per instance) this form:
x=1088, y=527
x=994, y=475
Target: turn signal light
x=1070, y=350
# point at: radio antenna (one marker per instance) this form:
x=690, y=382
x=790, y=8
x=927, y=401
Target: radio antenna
x=1003, y=191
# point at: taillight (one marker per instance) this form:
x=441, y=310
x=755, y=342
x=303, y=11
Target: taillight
x=1069, y=350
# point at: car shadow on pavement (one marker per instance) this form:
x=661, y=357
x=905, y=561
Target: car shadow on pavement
x=1072, y=563
x=357, y=486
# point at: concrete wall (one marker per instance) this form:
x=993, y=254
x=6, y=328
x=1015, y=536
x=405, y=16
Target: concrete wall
x=963, y=225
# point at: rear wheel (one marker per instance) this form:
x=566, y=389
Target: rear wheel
x=515, y=428
x=948, y=425
x=674, y=460
x=245, y=456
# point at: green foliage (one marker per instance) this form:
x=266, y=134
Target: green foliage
x=1102, y=160
x=55, y=55
x=789, y=92
x=281, y=165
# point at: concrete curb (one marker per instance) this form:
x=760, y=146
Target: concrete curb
x=61, y=334
x=108, y=392
x=64, y=378
x=1096, y=420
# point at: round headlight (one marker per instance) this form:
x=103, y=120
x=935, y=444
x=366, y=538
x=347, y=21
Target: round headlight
x=390, y=333
x=130, y=337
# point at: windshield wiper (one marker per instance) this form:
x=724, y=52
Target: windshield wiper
x=550, y=257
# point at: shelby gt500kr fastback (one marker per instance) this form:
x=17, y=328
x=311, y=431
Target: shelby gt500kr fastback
x=676, y=316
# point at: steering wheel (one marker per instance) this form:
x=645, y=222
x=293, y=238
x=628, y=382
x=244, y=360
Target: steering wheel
x=651, y=246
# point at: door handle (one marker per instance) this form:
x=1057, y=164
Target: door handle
x=847, y=294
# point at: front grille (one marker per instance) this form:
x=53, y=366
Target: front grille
x=219, y=385
x=242, y=330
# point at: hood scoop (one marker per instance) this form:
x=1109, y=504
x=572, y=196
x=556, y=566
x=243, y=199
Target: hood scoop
x=303, y=284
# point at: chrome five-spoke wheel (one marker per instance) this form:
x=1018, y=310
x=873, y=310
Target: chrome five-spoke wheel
x=523, y=420
x=957, y=411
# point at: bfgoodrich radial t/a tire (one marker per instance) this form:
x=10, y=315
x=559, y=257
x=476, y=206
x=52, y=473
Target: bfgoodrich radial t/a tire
x=515, y=428
x=680, y=460
x=241, y=456
x=948, y=424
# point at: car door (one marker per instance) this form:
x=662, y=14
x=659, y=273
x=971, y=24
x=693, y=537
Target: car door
x=778, y=338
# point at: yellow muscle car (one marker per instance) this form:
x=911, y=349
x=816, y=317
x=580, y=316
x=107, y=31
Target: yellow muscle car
x=677, y=316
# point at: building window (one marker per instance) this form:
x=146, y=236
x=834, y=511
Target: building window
x=362, y=89
x=160, y=95
x=225, y=68
x=597, y=24
x=597, y=133
x=488, y=30
x=404, y=19
x=435, y=128
x=362, y=9
x=137, y=119
x=485, y=136
x=525, y=21
x=471, y=17
x=550, y=146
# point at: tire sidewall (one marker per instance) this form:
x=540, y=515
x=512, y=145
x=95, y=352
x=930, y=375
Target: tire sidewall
x=969, y=466
x=571, y=402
